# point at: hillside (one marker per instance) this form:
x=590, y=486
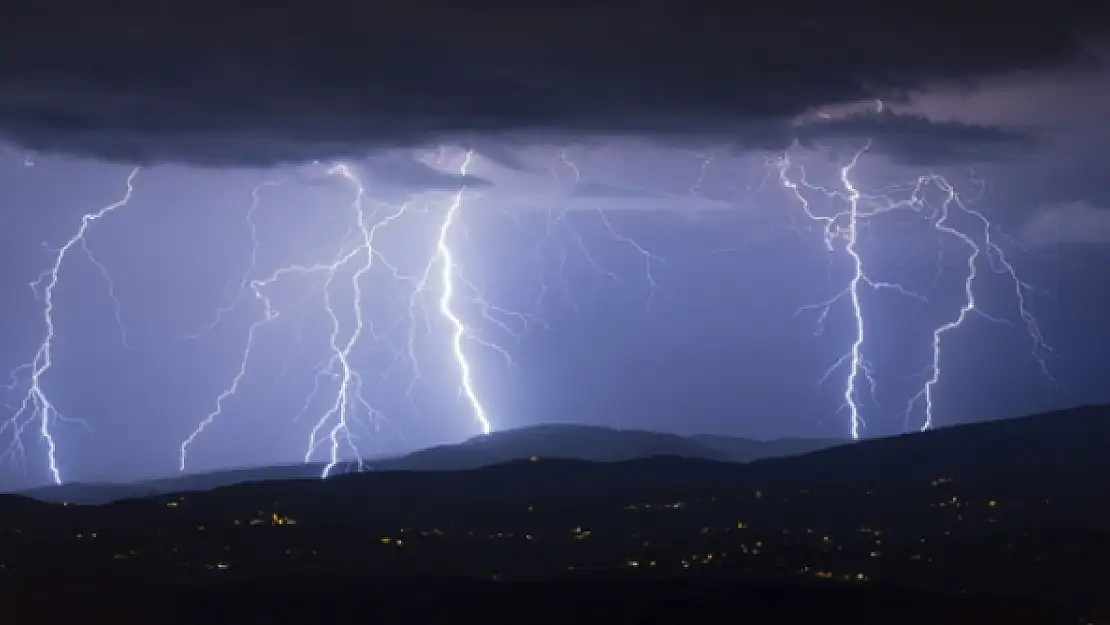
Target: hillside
x=577, y=442
x=96, y=493
x=1073, y=442
x=1015, y=508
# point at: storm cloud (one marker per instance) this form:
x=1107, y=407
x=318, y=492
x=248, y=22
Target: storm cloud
x=917, y=140
x=251, y=82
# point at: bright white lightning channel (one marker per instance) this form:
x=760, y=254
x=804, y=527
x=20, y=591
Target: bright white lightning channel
x=843, y=226
x=459, y=330
x=36, y=404
x=333, y=429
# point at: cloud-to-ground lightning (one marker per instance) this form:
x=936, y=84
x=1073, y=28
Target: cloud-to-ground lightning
x=444, y=294
x=441, y=290
x=999, y=263
x=442, y=276
x=334, y=426
x=843, y=227
x=36, y=404
x=459, y=330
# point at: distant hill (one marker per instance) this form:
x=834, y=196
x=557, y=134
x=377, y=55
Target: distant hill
x=1075, y=441
x=1014, y=453
x=596, y=444
x=562, y=441
x=750, y=450
x=94, y=493
x=1017, y=508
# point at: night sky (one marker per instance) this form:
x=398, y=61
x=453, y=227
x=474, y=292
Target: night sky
x=624, y=252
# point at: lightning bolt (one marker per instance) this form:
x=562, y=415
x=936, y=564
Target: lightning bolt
x=442, y=276
x=559, y=217
x=843, y=226
x=999, y=264
x=706, y=161
x=334, y=426
x=245, y=277
x=460, y=331
x=36, y=404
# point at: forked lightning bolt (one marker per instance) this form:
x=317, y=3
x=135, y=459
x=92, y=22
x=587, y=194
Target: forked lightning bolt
x=333, y=428
x=999, y=263
x=460, y=331
x=843, y=226
x=443, y=290
x=36, y=404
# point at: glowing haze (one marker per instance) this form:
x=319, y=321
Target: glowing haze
x=338, y=261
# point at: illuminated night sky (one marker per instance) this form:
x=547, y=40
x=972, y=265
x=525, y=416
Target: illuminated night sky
x=615, y=199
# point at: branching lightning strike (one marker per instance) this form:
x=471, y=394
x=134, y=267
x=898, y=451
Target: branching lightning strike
x=843, y=227
x=334, y=427
x=557, y=216
x=443, y=281
x=440, y=290
x=36, y=404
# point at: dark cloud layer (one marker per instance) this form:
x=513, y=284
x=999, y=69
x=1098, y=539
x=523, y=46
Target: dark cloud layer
x=258, y=82
x=915, y=140
x=404, y=172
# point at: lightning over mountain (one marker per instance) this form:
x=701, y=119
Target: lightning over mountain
x=348, y=405
x=398, y=293
x=36, y=405
x=840, y=233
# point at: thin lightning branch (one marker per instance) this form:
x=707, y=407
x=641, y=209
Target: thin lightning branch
x=36, y=404
x=560, y=216
x=269, y=314
x=706, y=161
x=650, y=258
x=558, y=221
x=117, y=307
x=1000, y=264
x=244, y=278
x=570, y=164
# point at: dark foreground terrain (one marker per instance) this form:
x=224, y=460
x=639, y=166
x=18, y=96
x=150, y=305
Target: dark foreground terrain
x=608, y=601
x=1016, y=510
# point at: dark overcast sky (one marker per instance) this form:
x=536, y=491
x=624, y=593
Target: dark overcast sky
x=619, y=144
